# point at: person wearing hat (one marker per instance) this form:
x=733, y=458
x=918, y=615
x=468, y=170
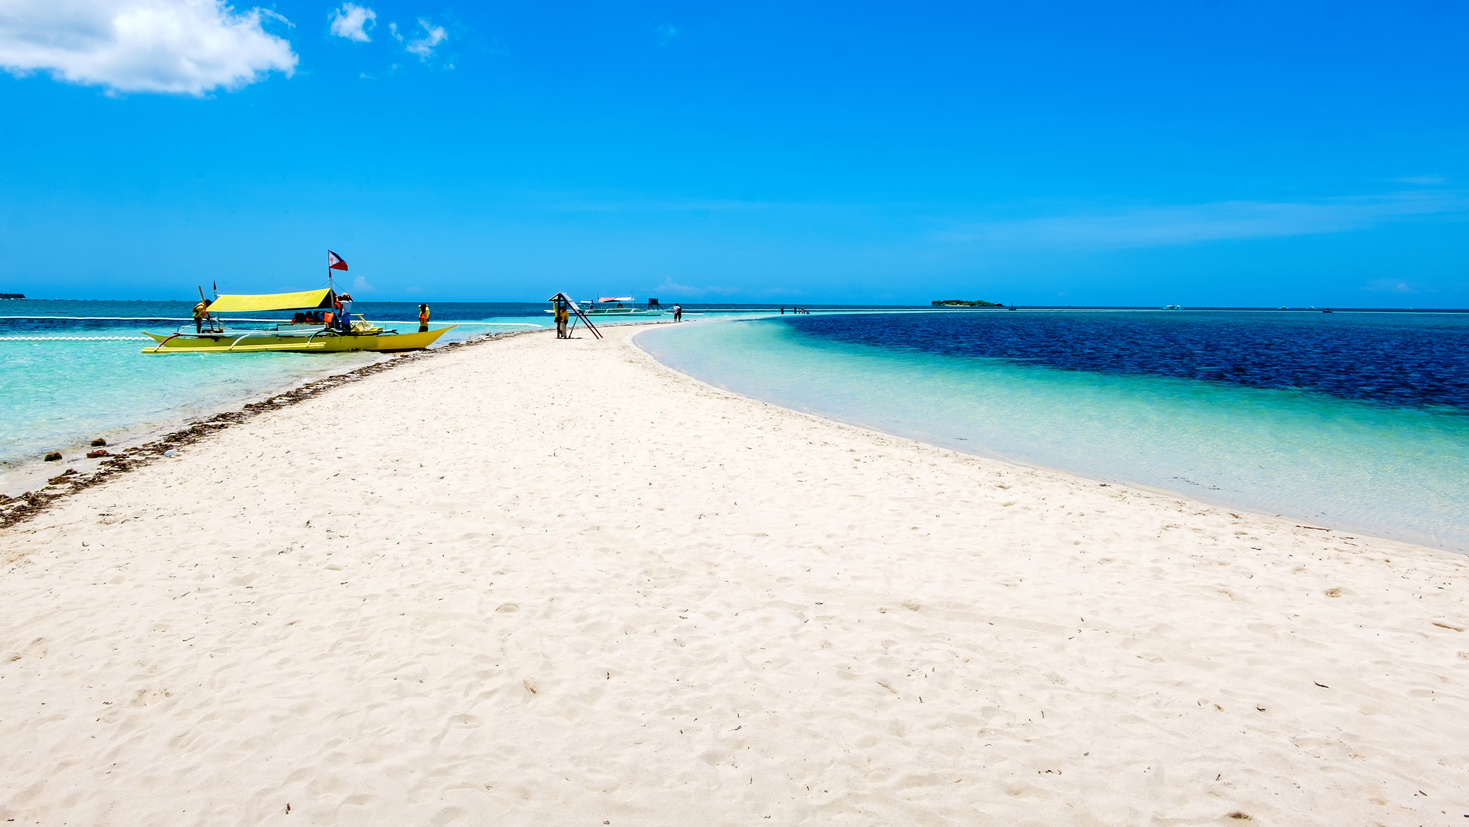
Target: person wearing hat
x=343, y=306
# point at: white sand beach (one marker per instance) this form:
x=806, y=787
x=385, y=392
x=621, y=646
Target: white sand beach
x=543, y=582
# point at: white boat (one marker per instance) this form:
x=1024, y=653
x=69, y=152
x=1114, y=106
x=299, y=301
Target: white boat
x=619, y=306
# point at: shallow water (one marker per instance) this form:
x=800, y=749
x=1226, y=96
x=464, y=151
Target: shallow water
x=72, y=371
x=1394, y=463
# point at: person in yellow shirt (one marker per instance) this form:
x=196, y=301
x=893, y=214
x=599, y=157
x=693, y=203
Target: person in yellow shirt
x=201, y=312
x=562, y=317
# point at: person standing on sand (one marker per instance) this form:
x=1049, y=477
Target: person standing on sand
x=561, y=318
x=423, y=318
x=677, y=312
x=201, y=312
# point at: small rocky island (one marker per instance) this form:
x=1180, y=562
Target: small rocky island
x=963, y=303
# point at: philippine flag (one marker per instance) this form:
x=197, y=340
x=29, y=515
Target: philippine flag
x=334, y=261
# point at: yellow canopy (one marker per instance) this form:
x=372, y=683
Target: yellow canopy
x=307, y=300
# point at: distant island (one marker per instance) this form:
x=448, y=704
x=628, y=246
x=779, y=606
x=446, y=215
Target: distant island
x=963, y=303
x=12, y=295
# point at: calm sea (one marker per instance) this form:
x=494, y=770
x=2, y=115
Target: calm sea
x=71, y=371
x=1354, y=420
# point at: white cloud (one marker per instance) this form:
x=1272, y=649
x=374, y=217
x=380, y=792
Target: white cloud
x=1190, y=224
x=352, y=22
x=1423, y=180
x=666, y=33
x=360, y=285
x=1394, y=286
x=178, y=46
x=432, y=36
x=671, y=286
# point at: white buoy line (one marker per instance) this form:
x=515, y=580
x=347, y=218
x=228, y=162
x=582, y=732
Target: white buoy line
x=72, y=338
x=257, y=321
x=492, y=324
x=123, y=318
x=145, y=338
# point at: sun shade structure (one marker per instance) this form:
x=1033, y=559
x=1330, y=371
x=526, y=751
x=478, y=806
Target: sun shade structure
x=563, y=297
x=577, y=312
x=306, y=300
x=615, y=299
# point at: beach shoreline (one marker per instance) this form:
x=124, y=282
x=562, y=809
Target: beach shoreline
x=1359, y=466
x=22, y=478
x=29, y=488
x=992, y=456
x=540, y=581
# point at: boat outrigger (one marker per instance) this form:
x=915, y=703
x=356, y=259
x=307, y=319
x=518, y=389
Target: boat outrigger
x=321, y=324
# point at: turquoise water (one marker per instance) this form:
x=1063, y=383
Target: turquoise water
x=1394, y=471
x=59, y=395
x=72, y=371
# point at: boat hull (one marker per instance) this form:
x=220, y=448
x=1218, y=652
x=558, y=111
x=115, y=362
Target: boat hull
x=325, y=342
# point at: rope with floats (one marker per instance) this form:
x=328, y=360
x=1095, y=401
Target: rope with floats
x=256, y=321
x=145, y=338
x=72, y=338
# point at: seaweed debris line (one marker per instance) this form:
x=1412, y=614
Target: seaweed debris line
x=19, y=508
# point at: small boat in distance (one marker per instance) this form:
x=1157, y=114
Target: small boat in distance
x=614, y=306
x=321, y=324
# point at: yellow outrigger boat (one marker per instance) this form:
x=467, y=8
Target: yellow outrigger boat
x=309, y=332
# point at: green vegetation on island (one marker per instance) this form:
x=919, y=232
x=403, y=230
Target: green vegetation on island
x=963, y=303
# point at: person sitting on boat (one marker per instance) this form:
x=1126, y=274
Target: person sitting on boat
x=423, y=318
x=201, y=312
x=299, y=318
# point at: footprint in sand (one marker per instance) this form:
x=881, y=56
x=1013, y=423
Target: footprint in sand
x=35, y=650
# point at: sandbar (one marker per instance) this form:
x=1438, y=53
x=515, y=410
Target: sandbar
x=552, y=582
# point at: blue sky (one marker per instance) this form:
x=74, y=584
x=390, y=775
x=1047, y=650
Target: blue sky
x=1198, y=153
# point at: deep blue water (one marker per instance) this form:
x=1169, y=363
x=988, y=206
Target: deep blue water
x=1403, y=359
x=1350, y=420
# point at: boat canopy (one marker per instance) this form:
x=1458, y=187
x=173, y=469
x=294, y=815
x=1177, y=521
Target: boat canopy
x=567, y=299
x=614, y=299
x=307, y=300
